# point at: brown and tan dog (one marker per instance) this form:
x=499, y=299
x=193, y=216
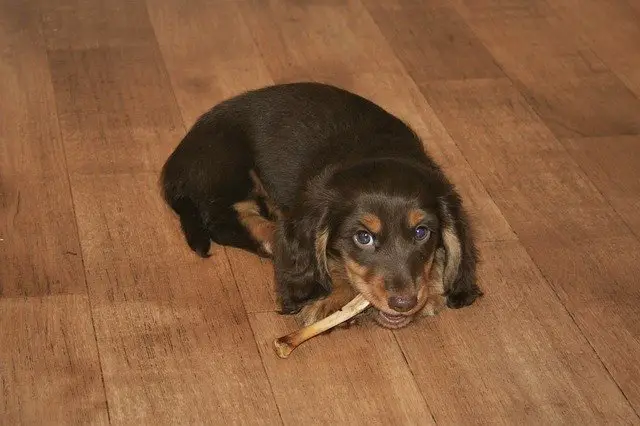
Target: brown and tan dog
x=339, y=192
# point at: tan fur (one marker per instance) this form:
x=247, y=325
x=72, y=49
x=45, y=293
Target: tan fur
x=436, y=300
x=372, y=222
x=349, y=278
x=341, y=294
x=453, y=251
x=260, y=191
x=371, y=286
x=322, y=239
x=454, y=254
x=262, y=230
x=414, y=217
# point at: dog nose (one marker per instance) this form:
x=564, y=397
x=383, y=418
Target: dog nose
x=403, y=303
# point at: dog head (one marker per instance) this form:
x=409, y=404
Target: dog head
x=383, y=221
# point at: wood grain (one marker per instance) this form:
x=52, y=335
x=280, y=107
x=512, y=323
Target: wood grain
x=535, y=183
x=49, y=367
x=116, y=109
x=39, y=248
x=530, y=368
x=612, y=30
x=359, y=376
x=549, y=202
x=81, y=24
x=49, y=364
x=175, y=341
x=222, y=62
x=597, y=282
x=39, y=252
x=255, y=280
x=432, y=41
x=571, y=89
x=327, y=42
x=613, y=165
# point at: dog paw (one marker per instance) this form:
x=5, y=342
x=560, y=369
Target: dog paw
x=200, y=244
x=463, y=298
x=435, y=304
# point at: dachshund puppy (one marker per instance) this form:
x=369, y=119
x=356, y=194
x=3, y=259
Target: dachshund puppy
x=339, y=192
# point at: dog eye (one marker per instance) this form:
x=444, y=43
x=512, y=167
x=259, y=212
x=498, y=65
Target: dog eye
x=363, y=238
x=421, y=233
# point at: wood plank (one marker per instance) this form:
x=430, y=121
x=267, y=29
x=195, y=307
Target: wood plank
x=323, y=41
x=598, y=282
x=39, y=249
x=215, y=42
x=612, y=30
x=547, y=199
x=432, y=40
x=49, y=367
x=571, y=89
x=82, y=24
x=529, y=174
x=635, y=5
x=516, y=357
x=175, y=341
x=255, y=280
x=359, y=377
x=116, y=108
x=613, y=165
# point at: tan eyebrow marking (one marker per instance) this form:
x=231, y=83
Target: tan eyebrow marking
x=372, y=222
x=415, y=216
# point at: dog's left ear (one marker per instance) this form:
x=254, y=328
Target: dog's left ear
x=459, y=277
x=300, y=256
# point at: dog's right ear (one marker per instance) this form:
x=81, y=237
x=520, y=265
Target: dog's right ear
x=300, y=254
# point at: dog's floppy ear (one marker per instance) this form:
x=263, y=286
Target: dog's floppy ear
x=300, y=257
x=459, y=277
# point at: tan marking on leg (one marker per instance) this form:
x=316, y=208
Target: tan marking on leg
x=414, y=217
x=372, y=222
x=261, y=230
x=453, y=256
x=436, y=301
x=452, y=247
x=260, y=191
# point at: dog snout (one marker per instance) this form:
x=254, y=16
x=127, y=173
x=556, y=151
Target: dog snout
x=403, y=303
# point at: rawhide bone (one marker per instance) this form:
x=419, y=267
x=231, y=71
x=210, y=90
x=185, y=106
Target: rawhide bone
x=286, y=344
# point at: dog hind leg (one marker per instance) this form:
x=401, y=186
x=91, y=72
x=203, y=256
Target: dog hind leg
x=202, y=180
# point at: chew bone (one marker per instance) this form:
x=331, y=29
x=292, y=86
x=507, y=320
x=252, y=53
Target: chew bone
x=286, y=344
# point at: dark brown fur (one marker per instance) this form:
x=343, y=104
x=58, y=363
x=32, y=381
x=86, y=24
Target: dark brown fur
x=326, y=165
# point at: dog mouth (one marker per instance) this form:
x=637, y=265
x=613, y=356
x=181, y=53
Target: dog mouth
x=392, y=321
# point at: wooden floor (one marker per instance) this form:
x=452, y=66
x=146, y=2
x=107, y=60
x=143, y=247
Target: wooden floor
x=532, y=107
